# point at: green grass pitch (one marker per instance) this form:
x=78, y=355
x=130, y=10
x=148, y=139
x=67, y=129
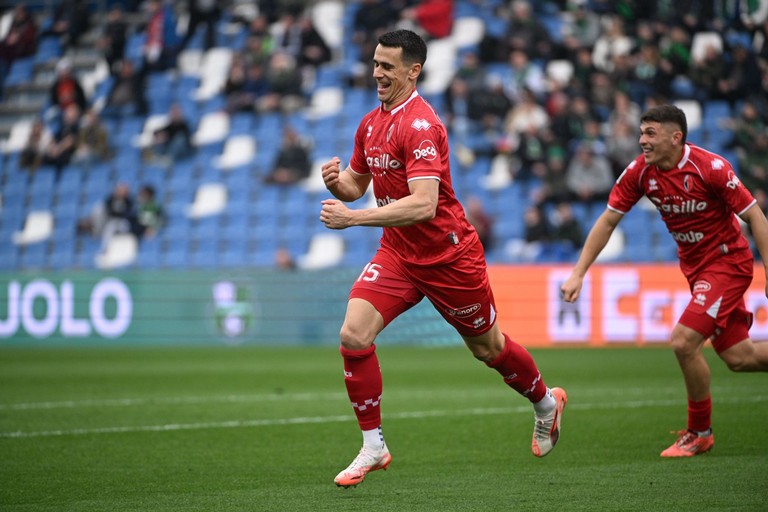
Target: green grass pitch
x=252, y=429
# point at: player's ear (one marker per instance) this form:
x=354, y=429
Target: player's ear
x=414, y=71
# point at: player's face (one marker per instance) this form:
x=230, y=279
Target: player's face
x=395, y=79
x=661, y=144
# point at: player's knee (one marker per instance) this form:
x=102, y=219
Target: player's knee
x=354, y=339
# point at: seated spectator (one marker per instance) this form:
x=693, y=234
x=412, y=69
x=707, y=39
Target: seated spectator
x=537, y=233
x=113, y=37
x=71, y=20
x=126, y=95
x=64, y=144
x=114, y=215
x=589, y=175
x=554, y=186
x=66, y=89
x=20, y=40
x=172, y=141
x=566, y=227
x=285, y=84
x=202, y=12
x=481, y=221
x=161, y=44
x=92, y=141
x=296, y=35
x=433, y=19
x=32, y=154
x=150, y=214
x=246, y=84
x=292, y=163
x=284, y=260
x=753, y=164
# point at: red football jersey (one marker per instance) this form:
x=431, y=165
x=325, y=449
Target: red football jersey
x=698, y=201
x=410, y=143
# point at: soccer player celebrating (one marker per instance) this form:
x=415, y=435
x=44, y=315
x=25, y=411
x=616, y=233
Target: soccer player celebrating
x=428, y=249
x=699, y=198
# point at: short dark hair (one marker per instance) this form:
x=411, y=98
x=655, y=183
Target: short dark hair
x=414, y=47
x=667, y=114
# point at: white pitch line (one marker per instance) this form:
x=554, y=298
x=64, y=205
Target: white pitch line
x=525, y=409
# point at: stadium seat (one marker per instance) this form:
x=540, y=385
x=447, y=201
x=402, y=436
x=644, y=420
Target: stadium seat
x=213, y=73
x=701, y=41
x=121, y=251
x=499, y=175
x=239, y=150
x=213, y=128
x=37, y=228
x=693, y=113
x=467, y=31
x=440, y=68
x=210, y=199
x=325, y=250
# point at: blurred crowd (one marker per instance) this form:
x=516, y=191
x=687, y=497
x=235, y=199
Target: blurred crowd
x=555, y=87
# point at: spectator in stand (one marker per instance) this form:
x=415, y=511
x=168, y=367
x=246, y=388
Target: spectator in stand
x=581, y=28
x=526, y=114
x=126, y=96
x=297, y=36
x=482, y=222
x=71, y=20
x=433, y=19
x=112, y=215
x=527, y=34
x=173, y=140
x=706, y=72
x=292, y=163
x=92, y=140
x=246, y=84
x=554, y=185
x=536, y=235
x=589, y=175
x=66, y=89
x=753, y=164
x=523, y=75
x=150, y=214
x=372, y=18
x=566, y=227
x=161, y=44
x=19, y=41
x=621, y=142
x=285, y=84
x=31, y=156
x=112, y=38
x=742, y=77
x=64, y=144
x=612, y=42
x=202, y=12
x=746, y=128
x=258, y=46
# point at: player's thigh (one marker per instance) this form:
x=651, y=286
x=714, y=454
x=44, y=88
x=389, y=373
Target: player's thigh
x=362, y=323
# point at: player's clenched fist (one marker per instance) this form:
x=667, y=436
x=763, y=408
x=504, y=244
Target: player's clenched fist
x=331, y=172
x=335, y=214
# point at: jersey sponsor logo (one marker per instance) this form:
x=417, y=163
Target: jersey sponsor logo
x=464, y=311
x=382, y=163
x=733, y=181
x=701, y=286
x=685, y=207
x=690, y=237
x=420, y=124
x=426, y=150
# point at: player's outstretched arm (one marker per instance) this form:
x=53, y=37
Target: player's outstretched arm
x=758, y=225
x=596, y=240
x=346, y=186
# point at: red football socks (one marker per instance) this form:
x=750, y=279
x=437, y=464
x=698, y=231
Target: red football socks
x=362, y=376
x=519, y=370
x=700, y=415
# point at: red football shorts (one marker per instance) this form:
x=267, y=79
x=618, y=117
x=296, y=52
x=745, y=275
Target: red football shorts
x=717, y=305
x=459, y=290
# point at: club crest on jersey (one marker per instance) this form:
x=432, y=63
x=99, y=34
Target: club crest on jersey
x=421, y=124
x=687, y=183
x=389, y=132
